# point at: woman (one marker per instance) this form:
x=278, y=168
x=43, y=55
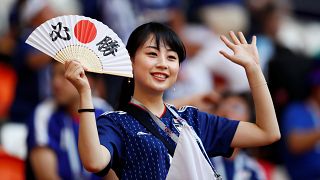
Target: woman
x=123, y=143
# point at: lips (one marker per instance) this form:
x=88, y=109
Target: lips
x=160, y=76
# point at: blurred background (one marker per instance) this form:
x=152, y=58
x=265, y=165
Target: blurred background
x=288, y=40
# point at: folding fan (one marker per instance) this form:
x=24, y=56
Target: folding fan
x=87, y=40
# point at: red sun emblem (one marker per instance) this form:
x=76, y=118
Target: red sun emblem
x=85, y=31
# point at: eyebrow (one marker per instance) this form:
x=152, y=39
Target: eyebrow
x=157, y=48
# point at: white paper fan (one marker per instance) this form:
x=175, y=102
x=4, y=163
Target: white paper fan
x=87, y=40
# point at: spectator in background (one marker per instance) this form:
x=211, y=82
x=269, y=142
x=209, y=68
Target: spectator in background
x=53, y=131
x=32, y=66
x=239, y=165
x=285, y=69
x=205, y=73
x=224, y=15
x=301, y=130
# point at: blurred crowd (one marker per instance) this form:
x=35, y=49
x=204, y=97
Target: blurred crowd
x=38, y=107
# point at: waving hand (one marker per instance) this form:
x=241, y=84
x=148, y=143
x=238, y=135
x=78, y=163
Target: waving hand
x=244, y=54
x=266, y=129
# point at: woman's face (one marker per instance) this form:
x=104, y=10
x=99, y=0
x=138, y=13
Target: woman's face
x=155, y=68
x=234, y=107
x=64, y=92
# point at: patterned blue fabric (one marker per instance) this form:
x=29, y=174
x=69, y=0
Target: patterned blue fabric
x=136, y=154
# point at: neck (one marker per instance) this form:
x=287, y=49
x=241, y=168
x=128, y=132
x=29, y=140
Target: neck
x=152, y=101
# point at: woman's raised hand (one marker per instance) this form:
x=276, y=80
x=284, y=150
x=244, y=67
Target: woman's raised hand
x=74, y=72
x=244, y=54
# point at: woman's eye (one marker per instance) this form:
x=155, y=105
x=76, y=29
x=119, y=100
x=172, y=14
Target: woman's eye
x=172, y=58
x=152, y=54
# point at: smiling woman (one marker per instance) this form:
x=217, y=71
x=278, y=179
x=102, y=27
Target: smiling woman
x=156, y=69
x=139, y=141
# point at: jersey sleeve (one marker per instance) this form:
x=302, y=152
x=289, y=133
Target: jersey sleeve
x=43, y=128
x=216, y=134
x=110, y=137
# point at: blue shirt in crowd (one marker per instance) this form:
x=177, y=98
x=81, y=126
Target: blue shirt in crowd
x=301, y=117
x=50, y=126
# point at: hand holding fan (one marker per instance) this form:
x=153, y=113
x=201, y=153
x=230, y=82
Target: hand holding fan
x=87, y=40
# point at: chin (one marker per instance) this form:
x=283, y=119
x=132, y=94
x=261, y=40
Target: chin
x=61, y=102
x=60, y=99
x=160, y=88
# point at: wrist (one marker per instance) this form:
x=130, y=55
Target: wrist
x=81, y=110
x=86, y=100
x=85, y=92
x=252, y=68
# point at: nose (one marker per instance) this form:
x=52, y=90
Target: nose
x=162, y=62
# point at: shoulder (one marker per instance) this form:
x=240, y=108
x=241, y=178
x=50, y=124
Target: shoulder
x=183, y=109
x=118, y=121
x=44, y=110
x=296, y=109
x=296, y=106
x=194, y=113
x=39, y=133
x=112, y=115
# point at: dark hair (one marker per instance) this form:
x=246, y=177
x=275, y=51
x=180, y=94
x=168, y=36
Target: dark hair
x=162, y=34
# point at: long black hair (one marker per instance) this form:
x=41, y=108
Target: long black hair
x=162, y=34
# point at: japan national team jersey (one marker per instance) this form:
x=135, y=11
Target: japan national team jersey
x=51, y=127
x=137, y=154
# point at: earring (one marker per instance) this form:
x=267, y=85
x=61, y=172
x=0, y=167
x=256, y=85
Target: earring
x=129, y=80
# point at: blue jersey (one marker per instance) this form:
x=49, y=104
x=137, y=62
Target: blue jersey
x=137, y=154
x=301, y=117
x=50, y=126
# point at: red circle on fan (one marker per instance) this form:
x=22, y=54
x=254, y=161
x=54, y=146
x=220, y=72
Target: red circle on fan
x=85, y=31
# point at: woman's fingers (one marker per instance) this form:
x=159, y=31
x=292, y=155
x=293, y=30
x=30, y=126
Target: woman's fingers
x=242, y=38
x=73, y=69
x=78, y=72
x=226, y=55
x=254, y=40
x=234, y=38
x=78, y=63
x=227, y=42
x=66, y=65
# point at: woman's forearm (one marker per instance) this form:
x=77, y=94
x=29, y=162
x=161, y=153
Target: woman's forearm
x=266, y=118
x=94, y=156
